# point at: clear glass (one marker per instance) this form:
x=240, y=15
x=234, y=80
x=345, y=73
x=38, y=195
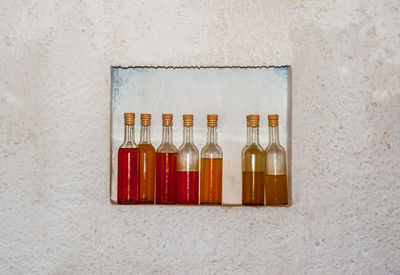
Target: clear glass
x=128, y=169
x=147, y=167
x=276, y=181
x=252, y=169
x=166, y=169
x=211, y=170
x=188, y=169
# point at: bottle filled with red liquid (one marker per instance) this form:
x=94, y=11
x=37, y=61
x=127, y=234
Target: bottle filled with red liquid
x=211, y=166
x=166, y=157
x=128, y=165
x=188, y=166
x=147, y=167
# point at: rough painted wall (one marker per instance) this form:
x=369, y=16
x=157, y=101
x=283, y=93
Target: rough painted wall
x=54, y=122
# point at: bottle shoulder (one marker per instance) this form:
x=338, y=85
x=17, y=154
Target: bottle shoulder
x=188, y=158
x=167, y=148
x=253, y=158
x=211, y=150
x=128, y=145
x=252, y=149
x=275, y=149
x=244, y=149
x=275, y=160
x=147, y=147
x=253, y=153
x=188, y=147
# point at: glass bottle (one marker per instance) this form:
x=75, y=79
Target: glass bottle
x=211, y=166
x=188, y=166
x=276, y=183
x=252, y=165
x=128, y=165
x=147, y=157
x=166, y=165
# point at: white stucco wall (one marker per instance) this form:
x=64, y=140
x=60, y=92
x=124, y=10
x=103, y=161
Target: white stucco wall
x=54, y=141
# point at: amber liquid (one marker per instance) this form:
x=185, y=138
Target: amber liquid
x=128, y=175
x=252, y=188
x=166, y=178
x=147, y=173
x=211, y=181
x=276, y=190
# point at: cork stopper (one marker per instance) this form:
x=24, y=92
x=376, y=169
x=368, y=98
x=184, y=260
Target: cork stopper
x=212, y=120
x=145, y=119
x=188, y=120
x=167, y=119
x=273, y=120
x=129, y=119
x=253, y=120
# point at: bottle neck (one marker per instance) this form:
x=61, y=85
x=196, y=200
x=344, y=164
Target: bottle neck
x=129, y=135
x=167, y=134
x=212, y=135
x=187, y=134
x=145, y=135
x=248, y=133
x=252, y=135
x=273, y=134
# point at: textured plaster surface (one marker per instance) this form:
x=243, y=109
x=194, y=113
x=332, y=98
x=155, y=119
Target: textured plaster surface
x=55, y=125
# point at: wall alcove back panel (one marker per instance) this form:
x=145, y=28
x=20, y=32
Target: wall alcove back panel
x=232, y=93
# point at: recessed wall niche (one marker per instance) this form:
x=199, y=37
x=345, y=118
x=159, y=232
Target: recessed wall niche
x=230, y=92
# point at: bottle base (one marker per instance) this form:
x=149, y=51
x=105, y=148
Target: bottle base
x=210, y=203
x=277, y=203
x=188, y=203
x=146, y=202
x=127, y=202
x=165, y=203
x=252, y=204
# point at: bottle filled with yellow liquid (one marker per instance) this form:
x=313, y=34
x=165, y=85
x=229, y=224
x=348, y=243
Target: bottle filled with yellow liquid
x=276, y=180
x=211, y=166
x=253, y=165
x=147, y=162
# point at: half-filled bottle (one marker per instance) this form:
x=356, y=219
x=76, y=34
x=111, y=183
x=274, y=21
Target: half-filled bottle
x=147, y=157
x=253, y=165
x=188, y=166
x=276, y=180
x=128, y=165
x=166, y=165
x=211, y=166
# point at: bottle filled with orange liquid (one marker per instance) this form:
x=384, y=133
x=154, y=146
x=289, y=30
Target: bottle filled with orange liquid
x=128, y=165
x=276, y=181
x=211, y=166
x=188, y=166
x=166, y=165
x=253, y=165
x=147, y=160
